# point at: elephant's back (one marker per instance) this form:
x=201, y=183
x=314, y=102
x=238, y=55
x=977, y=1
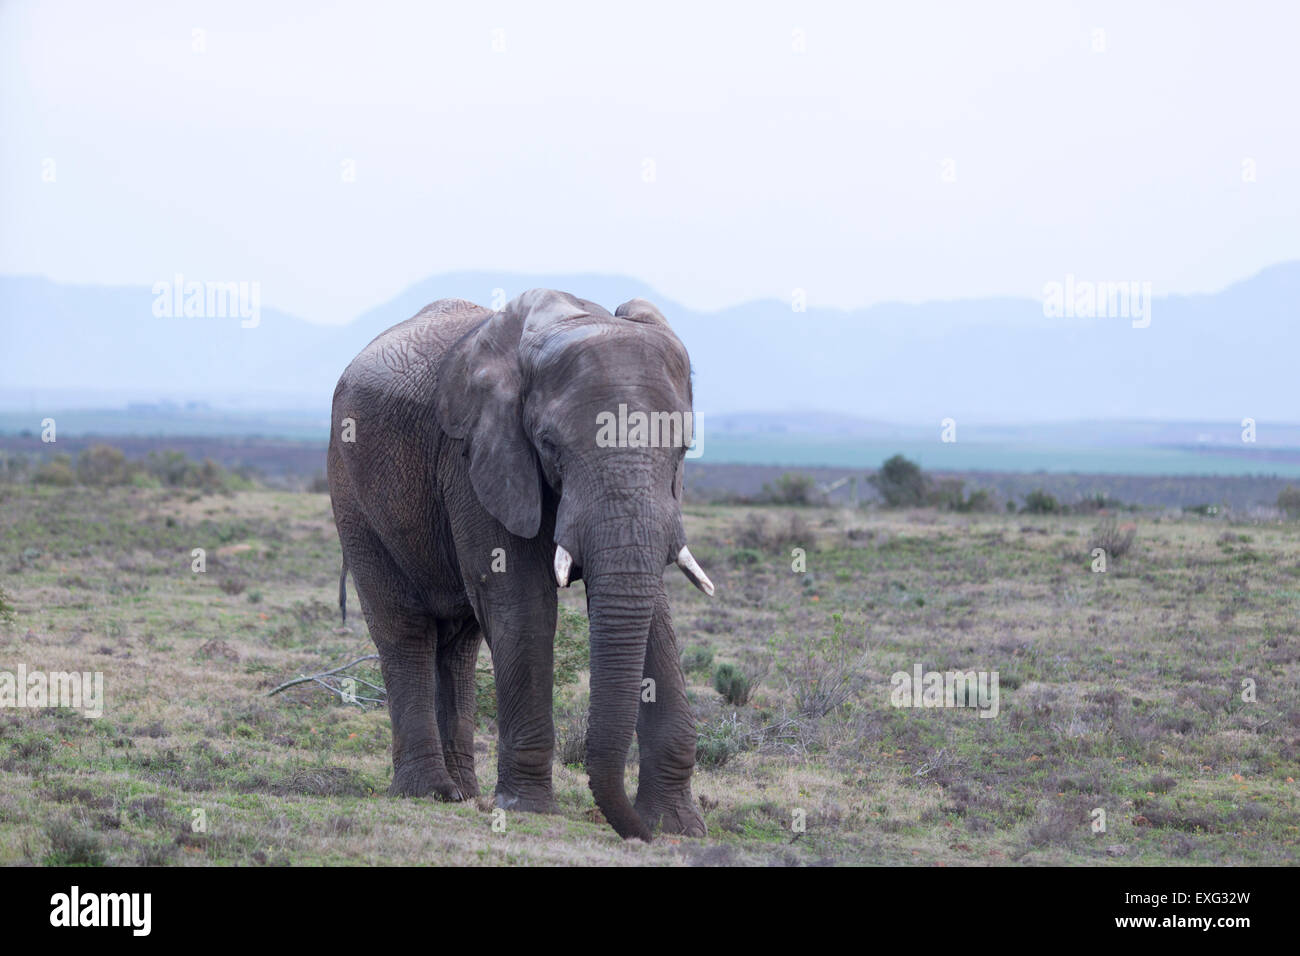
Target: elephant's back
x=403, y=360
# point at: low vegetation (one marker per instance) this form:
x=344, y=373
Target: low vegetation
x=1163, y=691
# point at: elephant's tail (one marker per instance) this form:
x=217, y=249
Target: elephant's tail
x=343, y=591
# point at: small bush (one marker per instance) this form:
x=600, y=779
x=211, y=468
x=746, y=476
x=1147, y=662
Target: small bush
x=790, y=489
x=485, y=693
x=697, y=658
x=948, y=495
x=71, y=845
x=900, y=483
x=571, y=733
x=1039, y=502
x=173, y=470
x=7, y=611
x=57, y=472
x=734, y=684
x=755, y=534
x=822, y=674
x=102, y=466
x=716, y=744
x=1112, y=538
x=1101, y=501
x=1288, y=500
x=572, y=647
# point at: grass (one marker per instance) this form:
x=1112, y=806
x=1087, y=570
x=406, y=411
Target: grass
x=1120, y=692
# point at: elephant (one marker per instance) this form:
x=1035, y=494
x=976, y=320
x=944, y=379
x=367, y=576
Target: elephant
x=469, y=481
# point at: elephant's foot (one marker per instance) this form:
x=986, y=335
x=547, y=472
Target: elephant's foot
x=425, y=778
x=526, y=803
x=462, y=772
x=678, y=814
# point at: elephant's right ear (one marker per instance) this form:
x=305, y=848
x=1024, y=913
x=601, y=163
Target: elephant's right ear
x=480, y=400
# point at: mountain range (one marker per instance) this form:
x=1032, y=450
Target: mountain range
x=1215, y=358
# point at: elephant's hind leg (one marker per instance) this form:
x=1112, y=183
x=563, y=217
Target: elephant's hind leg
x=407, y=639
x=458, y=644
x=419, y=765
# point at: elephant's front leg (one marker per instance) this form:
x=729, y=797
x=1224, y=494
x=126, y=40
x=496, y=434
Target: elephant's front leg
x=666, y=735
x=458, y=644
x=522, y=638
x=409, y=667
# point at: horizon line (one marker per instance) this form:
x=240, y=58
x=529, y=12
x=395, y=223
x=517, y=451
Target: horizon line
x=849, y=310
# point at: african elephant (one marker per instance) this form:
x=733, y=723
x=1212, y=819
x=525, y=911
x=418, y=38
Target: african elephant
x=476, y=474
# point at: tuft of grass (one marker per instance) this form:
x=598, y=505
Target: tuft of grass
x=72, y=844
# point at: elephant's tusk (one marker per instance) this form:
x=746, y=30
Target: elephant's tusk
x=686, y=561
x=563, y=562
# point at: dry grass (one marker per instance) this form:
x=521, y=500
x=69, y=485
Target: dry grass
x=1120, y=691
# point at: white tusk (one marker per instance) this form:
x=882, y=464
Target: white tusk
x=686, y=561
x=563, y=562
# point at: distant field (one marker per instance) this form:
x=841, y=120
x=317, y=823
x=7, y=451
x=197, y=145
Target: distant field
x=1119, y=691
x=1000, y=457
x=1123, y=448
x=299, y=464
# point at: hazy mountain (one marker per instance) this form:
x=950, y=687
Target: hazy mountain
x=1209, y=358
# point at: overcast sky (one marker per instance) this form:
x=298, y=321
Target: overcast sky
x=911, y=151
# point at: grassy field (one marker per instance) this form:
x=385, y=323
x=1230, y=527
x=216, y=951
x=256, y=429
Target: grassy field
x=1119, y=691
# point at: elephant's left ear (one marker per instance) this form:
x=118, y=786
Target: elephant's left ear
x=480, y=400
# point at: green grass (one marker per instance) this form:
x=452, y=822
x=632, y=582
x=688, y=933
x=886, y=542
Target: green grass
x=1119, y=692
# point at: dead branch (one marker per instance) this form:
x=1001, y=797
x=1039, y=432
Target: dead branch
x=336, y=687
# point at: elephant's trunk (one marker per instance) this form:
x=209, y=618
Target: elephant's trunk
x=620, y=605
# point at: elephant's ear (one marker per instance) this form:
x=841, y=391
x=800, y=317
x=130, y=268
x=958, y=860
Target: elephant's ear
x=480, y=400
x=640, y=310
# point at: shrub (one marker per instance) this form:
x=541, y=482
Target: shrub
x=571, y=733
x=1288, y=499
x=103, y=465
x=7, y=611
x=790, y=489
x=900, y=483
x=172, y=469
x=73, y=845
x=716, y=744
x=947, y=495
x=57, y=472
x=14, y=468
x=821, y=674
x=697, y=658
x=1039, y=502
x=572, y=647
x=1113, y=539
x=1100, y=501
x=756, y=534
x=733, y=684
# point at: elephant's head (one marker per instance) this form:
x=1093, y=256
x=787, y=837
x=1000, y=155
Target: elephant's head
x=553, y=392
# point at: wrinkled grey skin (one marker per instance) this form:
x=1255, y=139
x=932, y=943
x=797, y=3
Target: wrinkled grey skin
x=476, y=431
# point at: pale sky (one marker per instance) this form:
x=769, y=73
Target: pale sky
x=221, y=154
